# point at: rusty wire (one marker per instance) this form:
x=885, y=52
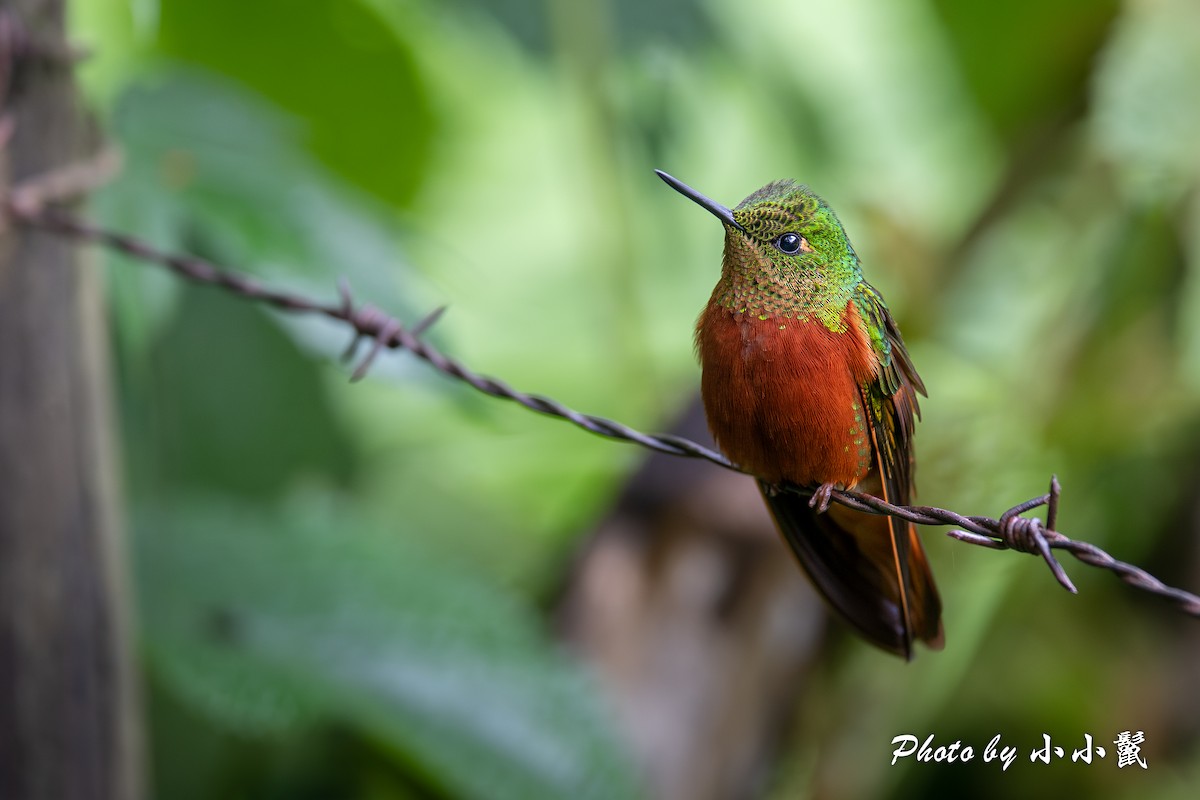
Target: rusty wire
x=1012, y=530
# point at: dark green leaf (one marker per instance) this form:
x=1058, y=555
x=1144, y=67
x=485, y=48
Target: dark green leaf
x=266, y=623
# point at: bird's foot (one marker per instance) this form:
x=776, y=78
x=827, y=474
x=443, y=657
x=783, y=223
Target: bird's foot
x=820, y=497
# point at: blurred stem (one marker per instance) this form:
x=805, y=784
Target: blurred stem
x=581, y=35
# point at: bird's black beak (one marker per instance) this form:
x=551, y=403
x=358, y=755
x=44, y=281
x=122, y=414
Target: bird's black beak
x=716, y=209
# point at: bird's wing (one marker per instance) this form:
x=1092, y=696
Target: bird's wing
x=891, y=404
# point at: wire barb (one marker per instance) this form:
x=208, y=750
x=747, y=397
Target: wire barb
x=1012, y=531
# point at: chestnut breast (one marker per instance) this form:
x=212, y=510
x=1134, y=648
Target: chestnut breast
x=783, y=396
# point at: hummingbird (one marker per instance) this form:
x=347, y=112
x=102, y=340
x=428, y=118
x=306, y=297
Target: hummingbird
x=805, y=380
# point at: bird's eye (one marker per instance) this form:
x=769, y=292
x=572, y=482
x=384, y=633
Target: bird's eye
x=790, y=243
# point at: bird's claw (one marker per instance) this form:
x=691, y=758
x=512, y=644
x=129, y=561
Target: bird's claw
x=821, y=497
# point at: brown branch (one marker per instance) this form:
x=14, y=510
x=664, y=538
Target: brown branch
x=1012, y=530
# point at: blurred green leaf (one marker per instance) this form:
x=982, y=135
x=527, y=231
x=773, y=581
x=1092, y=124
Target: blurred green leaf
x=269, y=620
x=114, y=35
x=213, y=170
x=1147, y=111
x=328, y=62
x=1027, y=61
x=1189, y=312
x=631, y=23
x=229, y=403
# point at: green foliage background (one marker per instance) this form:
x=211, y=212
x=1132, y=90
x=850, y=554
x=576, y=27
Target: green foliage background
x=342, y=589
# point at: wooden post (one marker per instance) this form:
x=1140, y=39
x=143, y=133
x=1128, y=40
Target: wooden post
x=68, y=712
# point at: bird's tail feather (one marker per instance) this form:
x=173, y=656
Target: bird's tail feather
x=871, y=569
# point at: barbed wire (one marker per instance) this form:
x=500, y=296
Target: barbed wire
x=29, y=205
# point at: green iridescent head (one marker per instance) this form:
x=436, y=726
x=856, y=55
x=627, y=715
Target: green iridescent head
x=786, y=253
x=797, y=226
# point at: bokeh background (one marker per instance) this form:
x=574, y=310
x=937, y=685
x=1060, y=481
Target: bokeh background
x=398, y=588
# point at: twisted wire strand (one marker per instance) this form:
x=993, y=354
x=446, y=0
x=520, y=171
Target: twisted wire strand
x=1011, y=531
